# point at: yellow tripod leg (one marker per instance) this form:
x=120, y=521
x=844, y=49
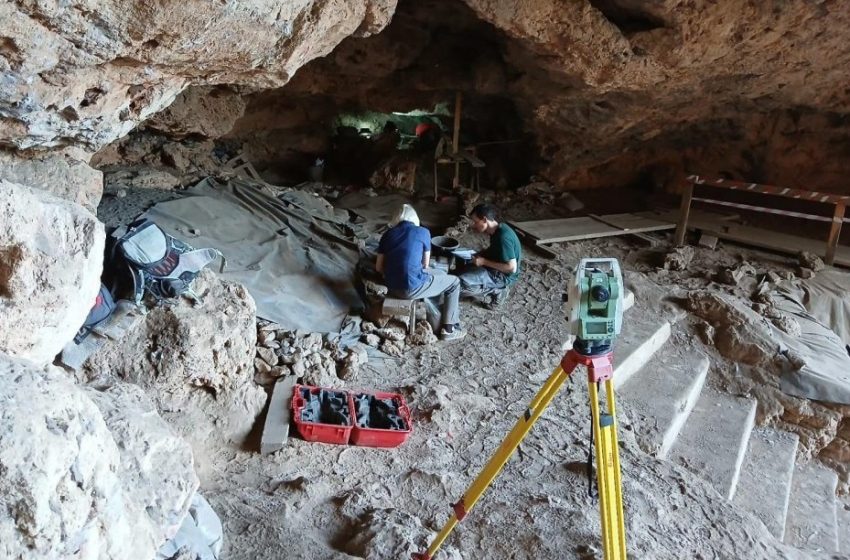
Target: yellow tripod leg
x=491, y=470
x=608, y=474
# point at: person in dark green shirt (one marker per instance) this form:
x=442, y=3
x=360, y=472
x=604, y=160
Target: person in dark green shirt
x=496, y=268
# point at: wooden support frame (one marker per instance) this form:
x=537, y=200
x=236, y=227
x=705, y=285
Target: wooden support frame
x=834, y=233
x=839, y=202
x=456, y=139
x=684, y=211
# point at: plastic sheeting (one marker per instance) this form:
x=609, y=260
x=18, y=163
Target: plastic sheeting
x=200, y=535
x=827, y=298
x=825, y=374
x=294, y=253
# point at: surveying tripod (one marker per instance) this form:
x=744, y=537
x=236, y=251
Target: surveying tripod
x=600, y=369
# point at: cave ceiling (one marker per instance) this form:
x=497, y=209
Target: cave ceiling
x=604, y=88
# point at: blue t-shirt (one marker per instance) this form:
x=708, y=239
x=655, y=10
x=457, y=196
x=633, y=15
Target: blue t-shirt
x=403, y=246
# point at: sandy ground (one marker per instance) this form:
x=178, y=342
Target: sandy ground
x=317, y=501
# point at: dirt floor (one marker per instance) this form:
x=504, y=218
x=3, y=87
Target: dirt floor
x=317, y=501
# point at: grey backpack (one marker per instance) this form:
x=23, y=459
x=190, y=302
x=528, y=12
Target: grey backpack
x=159, y=263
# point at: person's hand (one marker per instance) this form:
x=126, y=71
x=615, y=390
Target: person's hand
x=478, y=261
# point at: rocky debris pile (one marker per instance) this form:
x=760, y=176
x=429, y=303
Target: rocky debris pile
x=392, y=339
x=396, y=174
x=318, y=360
x=195, y=361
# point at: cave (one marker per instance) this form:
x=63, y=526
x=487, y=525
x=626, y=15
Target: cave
x=276, y=280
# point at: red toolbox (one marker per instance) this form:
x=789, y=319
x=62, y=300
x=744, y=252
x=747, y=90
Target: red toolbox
x=332, y=423
x=391, y=433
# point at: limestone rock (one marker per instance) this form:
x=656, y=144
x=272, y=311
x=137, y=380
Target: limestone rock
x=280, y=371
x=62, y=474
x=157, y=464
x=268, y=355
x=354, y=358
x=319, y=376
x=393, y=348
x=810, y=261
x=679, y=258
x=262, y=366
x=735, y=275
x=423, y=334
x=59, y=174
x=391, y=333
x=196, y=362
x=265, y=337
x=208, y=111
x=372, y=340
x=805, y=273
x=740, y=334
x=51, y=256
x=66, y=75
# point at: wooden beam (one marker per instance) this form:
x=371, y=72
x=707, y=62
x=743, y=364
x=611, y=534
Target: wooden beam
x=834, y=233
x=684, y=210
x=768, y=189
x=775, y=211
x=456, y=139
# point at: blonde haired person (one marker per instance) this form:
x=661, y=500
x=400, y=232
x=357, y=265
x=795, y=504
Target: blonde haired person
x=403, y=257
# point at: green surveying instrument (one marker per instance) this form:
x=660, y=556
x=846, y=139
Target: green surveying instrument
x=596, y=314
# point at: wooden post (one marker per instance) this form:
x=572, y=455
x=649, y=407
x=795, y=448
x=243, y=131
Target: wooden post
x=456, y=140
x=834, y=233
x=436, y=188
x=684, y=210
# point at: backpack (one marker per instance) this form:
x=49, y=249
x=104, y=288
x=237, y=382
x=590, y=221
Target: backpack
x=158, y=263
x=103, y=307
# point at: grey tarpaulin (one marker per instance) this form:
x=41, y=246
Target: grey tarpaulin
x=295, y=253
x=825, y=375
x=827, y=297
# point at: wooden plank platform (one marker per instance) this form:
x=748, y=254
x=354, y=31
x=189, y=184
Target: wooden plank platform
x=567, y=229
x=590, y=227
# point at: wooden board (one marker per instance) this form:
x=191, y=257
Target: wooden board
x=531, y=243
x=566, y=229
x=590, y=227
x=635, y=223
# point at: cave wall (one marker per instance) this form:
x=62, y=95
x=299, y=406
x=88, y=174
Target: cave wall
x=698, y=84
x=607, y=92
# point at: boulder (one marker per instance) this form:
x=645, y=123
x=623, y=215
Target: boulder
x=157, y=464
x=70, y=486
x=51, y=256
x=197, y=362
x=57, y=173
